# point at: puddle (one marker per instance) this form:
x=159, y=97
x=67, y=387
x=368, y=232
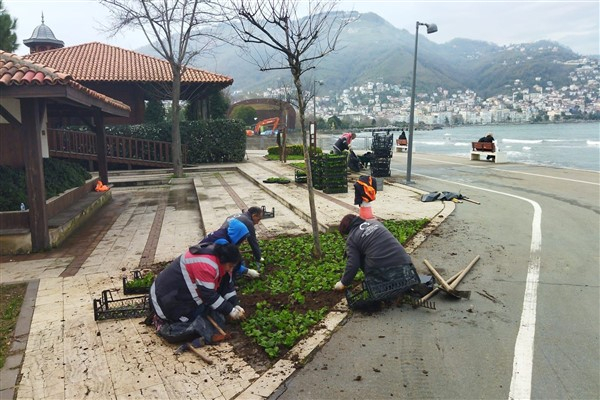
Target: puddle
x=183, y=198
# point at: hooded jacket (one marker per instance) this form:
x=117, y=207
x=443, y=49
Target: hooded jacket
x=373, y=248
x=246, y=219
x=235, y=232
x=195, y=278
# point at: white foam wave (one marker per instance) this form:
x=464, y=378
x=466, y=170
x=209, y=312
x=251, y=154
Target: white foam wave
x=521, y=141
x=595, y=143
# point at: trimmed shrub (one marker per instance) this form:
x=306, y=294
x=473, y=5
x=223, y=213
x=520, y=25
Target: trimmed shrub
x=59, y=176
x=222, y=140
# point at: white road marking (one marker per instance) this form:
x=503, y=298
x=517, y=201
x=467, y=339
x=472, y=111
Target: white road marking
x=515, y=172
x=520, y=385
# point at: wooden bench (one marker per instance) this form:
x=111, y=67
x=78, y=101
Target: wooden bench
x=486, y=149
x=401, y=145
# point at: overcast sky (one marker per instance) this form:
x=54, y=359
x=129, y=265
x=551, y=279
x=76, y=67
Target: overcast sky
x=574, y=23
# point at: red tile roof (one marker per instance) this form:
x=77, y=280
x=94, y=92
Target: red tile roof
x=15, y=71
x=101, y=62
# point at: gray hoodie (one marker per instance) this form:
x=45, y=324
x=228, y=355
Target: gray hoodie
x=371, y=247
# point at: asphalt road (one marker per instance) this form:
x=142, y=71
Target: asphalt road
x=531, y=327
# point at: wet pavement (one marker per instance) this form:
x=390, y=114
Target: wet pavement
x=65, y=353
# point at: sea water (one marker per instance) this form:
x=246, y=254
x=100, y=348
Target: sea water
x=571, y=145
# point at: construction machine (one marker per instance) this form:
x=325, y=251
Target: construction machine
x=269, y=124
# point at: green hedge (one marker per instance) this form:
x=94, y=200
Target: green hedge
x=59, y=176
x=222, y=140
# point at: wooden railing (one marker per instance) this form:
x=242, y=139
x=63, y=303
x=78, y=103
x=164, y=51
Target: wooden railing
x=122, y=150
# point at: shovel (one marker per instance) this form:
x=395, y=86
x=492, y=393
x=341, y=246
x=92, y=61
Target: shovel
x=459, y=294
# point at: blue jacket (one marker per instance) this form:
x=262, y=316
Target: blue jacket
x=234, y=232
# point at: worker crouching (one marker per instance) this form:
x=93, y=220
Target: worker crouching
x=195, y=287
x=388, y=269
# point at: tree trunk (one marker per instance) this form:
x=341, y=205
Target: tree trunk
x=175, y=133
x=317, y=252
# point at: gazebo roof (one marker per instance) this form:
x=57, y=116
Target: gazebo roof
x=101, y=62
x=22, y=78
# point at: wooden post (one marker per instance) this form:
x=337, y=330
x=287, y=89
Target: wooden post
x=101, y=145
x=31, y=115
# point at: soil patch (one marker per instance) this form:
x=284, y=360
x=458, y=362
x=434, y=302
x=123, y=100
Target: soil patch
x=244, y=346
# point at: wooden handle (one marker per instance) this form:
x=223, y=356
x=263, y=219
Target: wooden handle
x=214, y=323
x=464, y=272
x=200, y=354
x=437, y=289
x=438, y=276
x=471, y=201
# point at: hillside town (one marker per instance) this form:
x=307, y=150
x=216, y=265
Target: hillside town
x=386, y=103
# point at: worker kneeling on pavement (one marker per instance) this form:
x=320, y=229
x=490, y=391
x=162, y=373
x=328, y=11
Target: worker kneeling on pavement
x=196, y=285
x=235, y=232
x=371, y=247
x=249, y=218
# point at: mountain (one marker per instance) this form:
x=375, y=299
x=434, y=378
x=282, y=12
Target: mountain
x=372, y=50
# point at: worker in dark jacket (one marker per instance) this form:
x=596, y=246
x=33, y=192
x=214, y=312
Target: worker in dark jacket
x=251, y=217
x=371, y=247
x=343, y=142
x=195, y=285
x=234, y=232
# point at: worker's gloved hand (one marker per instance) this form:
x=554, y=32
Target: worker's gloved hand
x=241, y=310
x=339, y=286
x=237, y=313
x=252, y=273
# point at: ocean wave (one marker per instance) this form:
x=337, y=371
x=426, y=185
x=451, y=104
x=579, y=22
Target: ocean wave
x=462, y=144
x=595, y=143
x=522, y=141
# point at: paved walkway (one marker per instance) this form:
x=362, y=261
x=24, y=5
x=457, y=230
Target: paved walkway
x=66, y=354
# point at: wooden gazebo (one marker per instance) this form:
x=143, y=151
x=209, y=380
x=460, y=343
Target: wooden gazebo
x=131, y=77
x=30, y=95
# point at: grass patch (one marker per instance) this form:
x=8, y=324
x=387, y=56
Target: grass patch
x=11, y=299
x=291, y=275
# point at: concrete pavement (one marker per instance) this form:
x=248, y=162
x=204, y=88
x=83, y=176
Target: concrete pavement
x=64, y=353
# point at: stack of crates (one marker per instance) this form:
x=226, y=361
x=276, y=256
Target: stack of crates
x=316, y=169
x=382, y=154
x=334, y=176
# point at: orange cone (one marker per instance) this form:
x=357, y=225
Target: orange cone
x=365, y=211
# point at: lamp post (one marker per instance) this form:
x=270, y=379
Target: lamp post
x=315, y=98
x=431, y=28
x=313, y=127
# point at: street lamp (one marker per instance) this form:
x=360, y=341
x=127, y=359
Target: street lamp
x=313, y=126
x=315, y=98
x=431, y=28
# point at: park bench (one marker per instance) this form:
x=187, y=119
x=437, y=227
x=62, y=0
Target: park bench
x=401, y=145
x=487, y=149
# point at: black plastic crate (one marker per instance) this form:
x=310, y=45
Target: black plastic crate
x=332, y=190
x=135, y=290
x=268, y=214
x=300, y=176
x=131, y=307
x=378, y=292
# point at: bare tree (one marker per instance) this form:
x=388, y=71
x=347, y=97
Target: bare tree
x=282, y=39
x=170, y=26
